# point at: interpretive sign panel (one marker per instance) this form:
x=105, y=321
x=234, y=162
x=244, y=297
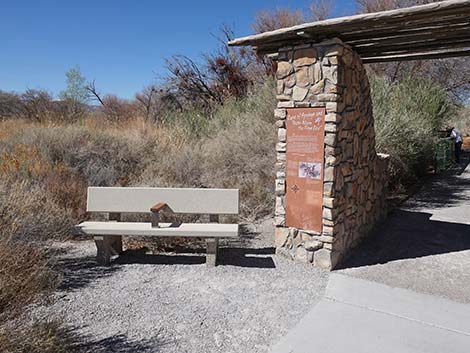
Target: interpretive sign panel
x=304, y=167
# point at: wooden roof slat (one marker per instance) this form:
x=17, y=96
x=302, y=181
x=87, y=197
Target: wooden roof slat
x=406, y=34
x=418, y=56
x=430, y=37
x=391, y=16
x=413, y=30
x=417, y=49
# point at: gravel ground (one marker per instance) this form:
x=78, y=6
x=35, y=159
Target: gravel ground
x=425, y=244
x=166, y=303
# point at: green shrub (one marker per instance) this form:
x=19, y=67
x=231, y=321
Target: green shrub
x=408, y=116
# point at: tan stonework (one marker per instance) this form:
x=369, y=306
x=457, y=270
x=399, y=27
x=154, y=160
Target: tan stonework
x=331, y=75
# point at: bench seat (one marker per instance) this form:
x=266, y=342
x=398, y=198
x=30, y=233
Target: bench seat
x=196, y=230
x=153, y=201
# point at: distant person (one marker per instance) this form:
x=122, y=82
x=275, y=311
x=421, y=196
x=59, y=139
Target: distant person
x=457, y=137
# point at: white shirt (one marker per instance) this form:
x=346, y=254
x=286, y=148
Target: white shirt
x=455, y=134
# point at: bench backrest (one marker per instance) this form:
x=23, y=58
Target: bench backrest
x=181, y=200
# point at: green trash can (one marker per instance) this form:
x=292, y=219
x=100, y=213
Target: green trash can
x=444, y=154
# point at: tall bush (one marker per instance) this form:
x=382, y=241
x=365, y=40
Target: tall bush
x=408, y=116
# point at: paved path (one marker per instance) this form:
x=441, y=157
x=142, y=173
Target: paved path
x=361, y=316
x=425, y=244
x=379, y=301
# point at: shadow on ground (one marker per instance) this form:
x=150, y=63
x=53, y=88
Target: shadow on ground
x=228, y=256
x=78, y=272
x=407, y=235
x=80, y=343
x=232, y=252
x=444, y=190
x=408, y=232
x=119, y=344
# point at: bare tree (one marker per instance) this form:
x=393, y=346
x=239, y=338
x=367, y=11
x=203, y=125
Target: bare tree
x=192, y=81
x=269, y=20
x=10, y=105
x=93, y=92
x=321, y=9
x=146, y=98
x=36, y=104
x=155, y=102
x=117, y=109
x=452, y=74
x=229, y=72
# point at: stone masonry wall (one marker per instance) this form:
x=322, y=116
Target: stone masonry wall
x=331, y=75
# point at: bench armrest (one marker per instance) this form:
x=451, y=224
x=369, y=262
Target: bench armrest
x=158, y=207
x=155, y=209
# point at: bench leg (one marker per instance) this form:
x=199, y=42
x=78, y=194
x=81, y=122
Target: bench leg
x=103, y=256
x=116, y=244
x=107, y=246
x=212, y=249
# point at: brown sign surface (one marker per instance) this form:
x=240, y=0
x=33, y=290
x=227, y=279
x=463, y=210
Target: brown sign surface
x=304, y=168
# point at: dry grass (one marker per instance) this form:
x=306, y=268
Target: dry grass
x=36, y=337
x=25, y=273
x=45, y=169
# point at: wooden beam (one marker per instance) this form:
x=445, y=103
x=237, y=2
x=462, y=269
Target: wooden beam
x=358, y=38
x=433, y=10
x=417, y=49
x=445, y=35
x=417, y=56
x=418, y=42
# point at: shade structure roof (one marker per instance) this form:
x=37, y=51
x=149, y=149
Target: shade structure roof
x=436, y=30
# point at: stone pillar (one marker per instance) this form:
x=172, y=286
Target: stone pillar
x=331, y=75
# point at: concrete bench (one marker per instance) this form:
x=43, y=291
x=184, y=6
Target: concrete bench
x=116, y=200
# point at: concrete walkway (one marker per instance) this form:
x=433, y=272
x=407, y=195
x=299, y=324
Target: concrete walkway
x=380, y=299
x=425, y=244
x=361, y=316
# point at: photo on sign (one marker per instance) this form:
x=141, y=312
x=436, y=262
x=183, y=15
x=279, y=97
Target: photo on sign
x=310, y=170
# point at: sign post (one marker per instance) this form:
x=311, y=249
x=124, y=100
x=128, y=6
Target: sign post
x=304, y=168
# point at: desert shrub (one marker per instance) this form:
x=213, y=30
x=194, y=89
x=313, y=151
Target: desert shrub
x=408, y=116
x=243, y=156
x=114, y=108
x=58, y=186
x=37, y=337
x=232, y=149
x=25, y=273
x=37, y=104
x=30, y=213
x=194, y=123
x=10, y=104
x=103, y=159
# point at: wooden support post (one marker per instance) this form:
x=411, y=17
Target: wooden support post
x=212, y=249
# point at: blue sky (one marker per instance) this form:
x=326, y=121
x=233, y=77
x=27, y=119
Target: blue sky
x=121, y=44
